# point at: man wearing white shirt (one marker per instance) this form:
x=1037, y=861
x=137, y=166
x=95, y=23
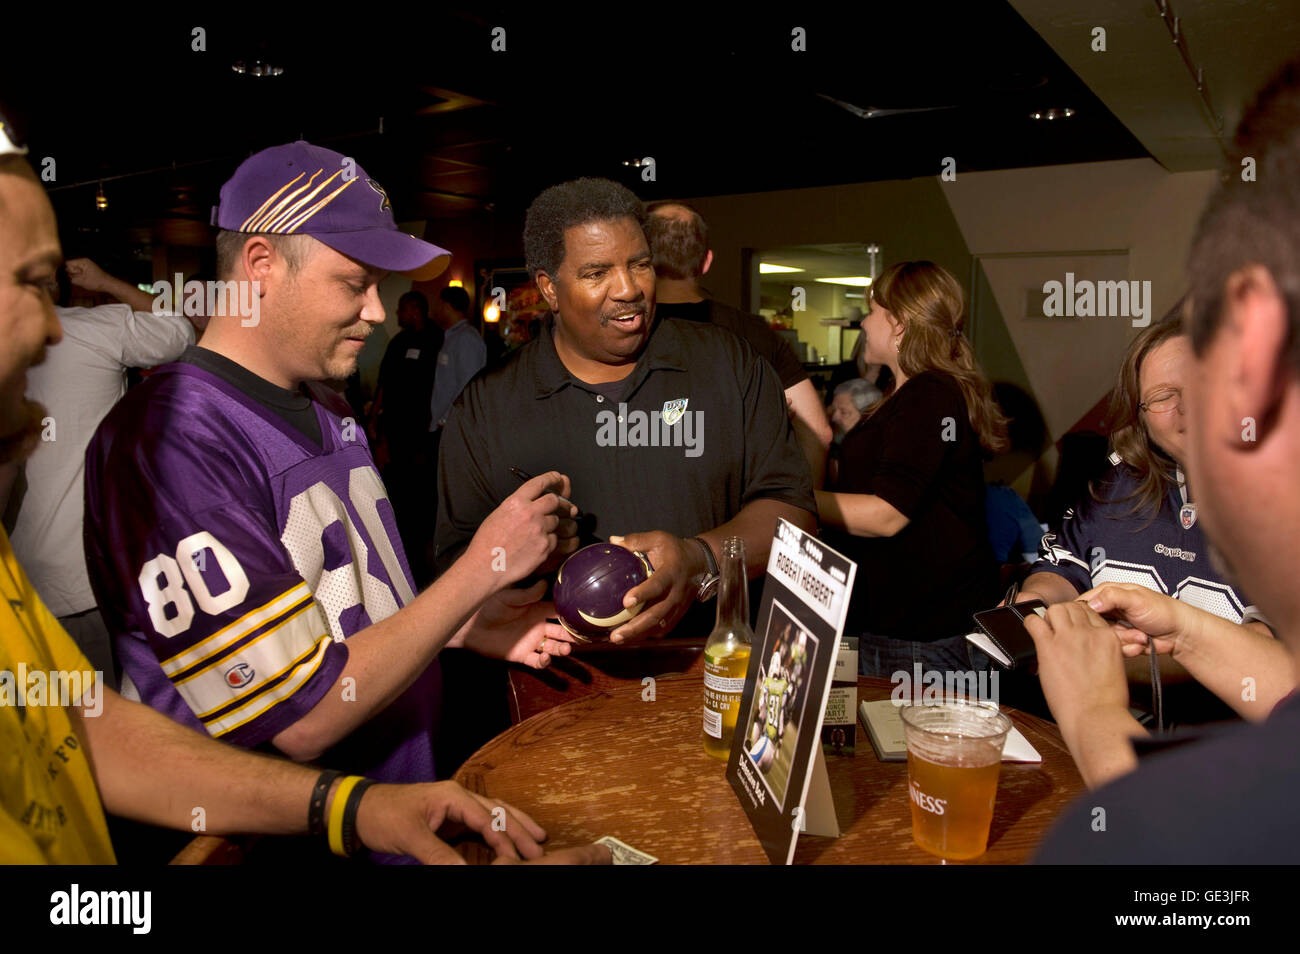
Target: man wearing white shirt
x=79, y=382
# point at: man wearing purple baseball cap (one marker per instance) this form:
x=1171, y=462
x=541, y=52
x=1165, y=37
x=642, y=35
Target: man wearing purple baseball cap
x=240, y=541
x=298, y=198
x=301, y=189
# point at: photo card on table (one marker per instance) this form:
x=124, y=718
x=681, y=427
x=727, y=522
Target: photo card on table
x=777, y=766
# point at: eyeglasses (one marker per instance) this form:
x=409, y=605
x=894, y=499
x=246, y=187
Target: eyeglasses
x=1163, y=401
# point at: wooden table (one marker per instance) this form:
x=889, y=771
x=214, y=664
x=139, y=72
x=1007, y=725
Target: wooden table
x=613, y=764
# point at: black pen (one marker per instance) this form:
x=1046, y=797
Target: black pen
x=524, y=477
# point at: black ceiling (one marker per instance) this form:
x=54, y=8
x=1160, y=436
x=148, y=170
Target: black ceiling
x=723, y=104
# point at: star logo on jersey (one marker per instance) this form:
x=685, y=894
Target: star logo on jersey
x=673, y=410
x=239, y=675
x=384, y=206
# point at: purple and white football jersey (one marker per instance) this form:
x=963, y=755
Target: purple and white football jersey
x=232, y=558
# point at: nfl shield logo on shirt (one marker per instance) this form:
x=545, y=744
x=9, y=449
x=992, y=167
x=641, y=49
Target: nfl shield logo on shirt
x=673, y=410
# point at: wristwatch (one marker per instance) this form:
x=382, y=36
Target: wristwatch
x=706, y=582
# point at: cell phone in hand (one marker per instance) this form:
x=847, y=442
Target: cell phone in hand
x=1003, y=636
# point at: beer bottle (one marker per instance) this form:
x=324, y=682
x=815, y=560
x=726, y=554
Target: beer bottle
x=726, y=653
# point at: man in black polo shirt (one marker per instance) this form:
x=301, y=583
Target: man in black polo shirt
x=679, y=239
x=1230, y=798
x=674, y=434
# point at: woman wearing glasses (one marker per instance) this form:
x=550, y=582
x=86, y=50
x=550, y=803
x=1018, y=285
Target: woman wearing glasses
x=1138, y=530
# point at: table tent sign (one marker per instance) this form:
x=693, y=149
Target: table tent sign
x=777, y=766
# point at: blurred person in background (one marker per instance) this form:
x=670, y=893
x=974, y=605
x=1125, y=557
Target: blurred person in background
x=81, y=379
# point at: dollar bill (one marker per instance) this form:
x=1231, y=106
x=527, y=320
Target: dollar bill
x=625, y=854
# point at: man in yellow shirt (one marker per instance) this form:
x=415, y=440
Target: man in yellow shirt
x=63, y=761
x=49, y=809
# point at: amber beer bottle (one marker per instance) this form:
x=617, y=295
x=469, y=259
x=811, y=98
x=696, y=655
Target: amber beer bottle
x=726, y=653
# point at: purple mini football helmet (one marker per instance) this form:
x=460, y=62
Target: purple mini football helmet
x=590, y=587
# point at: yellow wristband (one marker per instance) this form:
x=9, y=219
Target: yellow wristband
x=336, y=814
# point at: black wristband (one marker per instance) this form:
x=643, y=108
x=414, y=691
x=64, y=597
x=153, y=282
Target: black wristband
x=319, y=795
x=710, y=563
x=351, y=843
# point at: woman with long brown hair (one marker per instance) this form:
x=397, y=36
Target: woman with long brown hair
x=908, y=504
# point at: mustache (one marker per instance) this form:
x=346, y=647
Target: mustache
x=607, y=317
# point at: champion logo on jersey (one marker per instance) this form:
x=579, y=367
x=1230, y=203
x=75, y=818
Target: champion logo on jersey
x=673, y=410
x=239, y=675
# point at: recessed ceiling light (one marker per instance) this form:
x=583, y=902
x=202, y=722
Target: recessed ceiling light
x=256, y=68
x=856, y=281
x=765, y=268
x=1056, y=112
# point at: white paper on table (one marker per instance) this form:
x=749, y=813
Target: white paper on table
x=1018, y=749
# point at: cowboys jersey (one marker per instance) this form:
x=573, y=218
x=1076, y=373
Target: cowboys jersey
x=1103, y=541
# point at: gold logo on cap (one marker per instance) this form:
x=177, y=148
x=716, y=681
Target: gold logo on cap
x=284, y=216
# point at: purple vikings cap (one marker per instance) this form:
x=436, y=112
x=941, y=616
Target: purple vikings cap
x=301, y=189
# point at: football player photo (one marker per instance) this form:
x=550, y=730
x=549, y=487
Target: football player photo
x=779, y=701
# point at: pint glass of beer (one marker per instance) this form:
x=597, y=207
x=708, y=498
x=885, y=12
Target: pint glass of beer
x=954, y=751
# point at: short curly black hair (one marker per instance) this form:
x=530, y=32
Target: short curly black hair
x=563, y=206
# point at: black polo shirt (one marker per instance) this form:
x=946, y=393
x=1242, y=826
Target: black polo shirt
x=752, y=328
x=703, y=431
